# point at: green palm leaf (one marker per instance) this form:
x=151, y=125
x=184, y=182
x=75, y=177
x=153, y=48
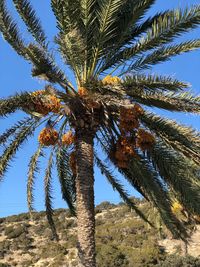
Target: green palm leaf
x=66, y=178
x=4, y=138
x=163, y=54
x=10, y=31
x=184, y=102
x=163, y=30
x=13, y=103
x=117, y=186
x=153, y=83
x=180, y=174
x=33, y=169
x=48, y=197
x=181, y=138
x=29, y=17
x=157, y=194
x=19, y=138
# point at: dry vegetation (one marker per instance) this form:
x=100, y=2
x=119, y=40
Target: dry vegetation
x=123, y=240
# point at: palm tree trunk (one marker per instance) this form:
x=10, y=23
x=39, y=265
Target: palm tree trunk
x=85, y=199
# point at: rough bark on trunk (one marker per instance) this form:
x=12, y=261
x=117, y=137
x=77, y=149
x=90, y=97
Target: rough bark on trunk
x=85, y=200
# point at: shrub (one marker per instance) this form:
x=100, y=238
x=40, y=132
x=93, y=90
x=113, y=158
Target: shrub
x=25, y=242
x=38, y=216
x=10, y=219
x=22, y=217
x=52, y=250
x=71, y=241
x=99, y=221
x=61, y=216
x=4, y=245
x=67, y=223
x=2, y=220
x=64, y=235
x=150, y=254
x=111, y=256
x=8, y=230
x=26, y=263
x=58, y=261
x=105, y=205
x=179, y=261
x=47, y=233
x=17, y=218
x=15, y=232
x=40, y=228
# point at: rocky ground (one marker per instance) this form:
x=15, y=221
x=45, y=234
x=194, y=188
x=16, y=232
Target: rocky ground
x=122, y=239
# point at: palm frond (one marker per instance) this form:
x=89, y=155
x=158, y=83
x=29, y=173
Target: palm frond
x=107, y=16
x=66, y=178
x=168, y=26
x=11, y=104
x=106, y=145
x=141, y=27
x=44, y=65
x=119, y=187
x=48, y=197
x=87, y=26
x=33, y=169
x=153, y=83
x=124, y=38
x=142, y=175
x=163, y=54
x=72, y=47
x=68, y=15
x=9, y=132
x=10, y=31
x=86, y=12
x=124, y=24
x=164, y=29
x=181, y=138
x=180, y=174
x=182, y=102
x=57, y=8
x=131, y=13
x=28, y=14
x=157, y=193
x=71, y=38
x=19, y=138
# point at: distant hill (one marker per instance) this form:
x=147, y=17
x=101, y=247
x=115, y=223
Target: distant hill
x=123, y=240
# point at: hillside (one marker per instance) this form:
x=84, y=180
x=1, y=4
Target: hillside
x=123, y=240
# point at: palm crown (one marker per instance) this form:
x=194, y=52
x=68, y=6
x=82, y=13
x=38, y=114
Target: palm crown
x=97, y=40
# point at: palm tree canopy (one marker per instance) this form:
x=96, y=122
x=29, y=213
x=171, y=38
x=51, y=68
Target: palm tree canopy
x=98, y=39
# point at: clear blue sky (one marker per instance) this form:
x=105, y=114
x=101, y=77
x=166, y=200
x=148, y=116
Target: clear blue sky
x=15, y=77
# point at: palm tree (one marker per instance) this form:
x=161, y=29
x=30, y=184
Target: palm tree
x=98, y=39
